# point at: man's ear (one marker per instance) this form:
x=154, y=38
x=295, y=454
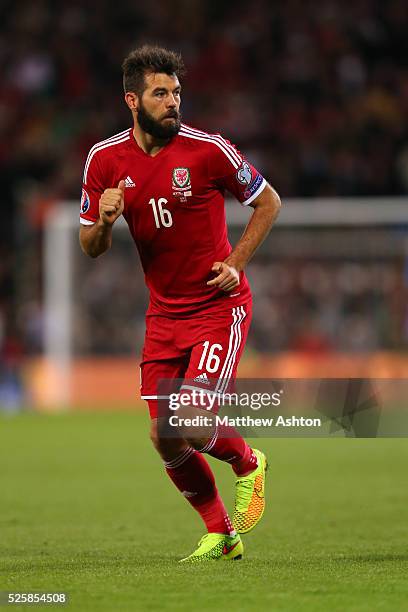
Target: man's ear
x=132, y=100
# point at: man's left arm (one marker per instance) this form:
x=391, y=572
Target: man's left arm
x=266, y=209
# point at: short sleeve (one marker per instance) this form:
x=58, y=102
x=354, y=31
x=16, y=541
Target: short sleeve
x=230, y=170
x=92, y=189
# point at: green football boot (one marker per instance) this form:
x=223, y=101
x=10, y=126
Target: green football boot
x=250, y=496
x=216, y=547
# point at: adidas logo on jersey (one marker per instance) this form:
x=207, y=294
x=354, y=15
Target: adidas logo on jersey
x=129, y=182
x=202, y=378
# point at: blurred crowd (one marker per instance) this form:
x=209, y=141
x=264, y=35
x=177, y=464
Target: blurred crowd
x=314, y=92
x=312, y=304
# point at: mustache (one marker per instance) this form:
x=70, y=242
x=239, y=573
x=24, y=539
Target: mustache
x=171, y=115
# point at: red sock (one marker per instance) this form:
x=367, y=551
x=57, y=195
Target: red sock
x=227, y=445
x=192, y=476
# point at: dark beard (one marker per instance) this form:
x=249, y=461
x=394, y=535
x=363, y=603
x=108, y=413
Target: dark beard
x=155, y=128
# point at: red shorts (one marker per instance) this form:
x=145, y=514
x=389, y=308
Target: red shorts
x=203, y=350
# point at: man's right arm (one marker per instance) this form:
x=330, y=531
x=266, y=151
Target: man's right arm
x=97, y=238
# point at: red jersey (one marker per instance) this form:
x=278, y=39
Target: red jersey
x=174, y=207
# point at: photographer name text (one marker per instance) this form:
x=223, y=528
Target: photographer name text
x=244, y=421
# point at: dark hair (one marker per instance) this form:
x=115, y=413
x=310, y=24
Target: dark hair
x=149, y=59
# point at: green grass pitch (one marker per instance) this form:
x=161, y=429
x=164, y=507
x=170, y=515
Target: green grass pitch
x=86, y=508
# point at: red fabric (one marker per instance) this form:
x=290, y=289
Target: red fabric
x=180, y=349
x=174, y=206
x=195, y=480
x=232, y=448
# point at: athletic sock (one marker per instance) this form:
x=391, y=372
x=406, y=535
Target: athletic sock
x=192, y=476
x=227, y=445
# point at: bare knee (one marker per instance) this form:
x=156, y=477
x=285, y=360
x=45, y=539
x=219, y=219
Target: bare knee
x=168, y=448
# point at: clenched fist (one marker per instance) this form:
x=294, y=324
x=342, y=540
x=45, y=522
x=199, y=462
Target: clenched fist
x=111, y=204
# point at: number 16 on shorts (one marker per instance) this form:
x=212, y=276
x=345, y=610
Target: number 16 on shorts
x=213, y=362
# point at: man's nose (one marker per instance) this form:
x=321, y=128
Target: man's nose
x=171, y=101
